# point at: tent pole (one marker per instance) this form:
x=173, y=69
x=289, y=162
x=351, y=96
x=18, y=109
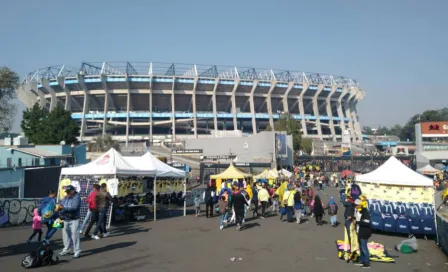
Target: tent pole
x=185, y=196
x=154, y=198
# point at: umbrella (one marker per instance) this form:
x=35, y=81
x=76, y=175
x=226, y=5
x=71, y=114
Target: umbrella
x=346, y=173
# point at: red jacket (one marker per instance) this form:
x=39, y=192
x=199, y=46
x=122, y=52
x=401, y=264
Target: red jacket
x=90, y=200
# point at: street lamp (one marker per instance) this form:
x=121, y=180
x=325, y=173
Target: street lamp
x=73, y=154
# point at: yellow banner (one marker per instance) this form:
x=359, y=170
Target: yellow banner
x=397, y=193
x=130, y=186
x=165, y=186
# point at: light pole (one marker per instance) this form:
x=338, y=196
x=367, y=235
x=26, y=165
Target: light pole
x=73, y=154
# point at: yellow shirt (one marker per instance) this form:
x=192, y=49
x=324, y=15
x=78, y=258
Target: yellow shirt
x=263, y=194
x=289, y=197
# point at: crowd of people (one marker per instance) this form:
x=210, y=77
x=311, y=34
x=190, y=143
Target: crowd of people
x=66, y=216
x=294, y=199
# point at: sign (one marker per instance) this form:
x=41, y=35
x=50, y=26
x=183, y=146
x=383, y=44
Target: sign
x=435, y=147
x=280, y=145
x=218, y=158
x=186, y=151
x=434, y=129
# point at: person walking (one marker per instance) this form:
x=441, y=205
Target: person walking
x=197, y=205
x=208, y=199
x=288, y=201
x=48, y=213
x=263, y=196
x=102, y=199
x=298, y=205
x=37, y=226
x=318, y=210
x=93, y=210
x=332, y=208
x=70, y=212
x=255, y=201
x=239, y=203
x=222, y=205
x=364, y=232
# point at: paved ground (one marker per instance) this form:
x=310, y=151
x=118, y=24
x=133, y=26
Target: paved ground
x=197, y=244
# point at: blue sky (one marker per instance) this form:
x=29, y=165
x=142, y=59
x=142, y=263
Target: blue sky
x=396, y=50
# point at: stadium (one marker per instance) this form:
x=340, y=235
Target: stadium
x=139, y=100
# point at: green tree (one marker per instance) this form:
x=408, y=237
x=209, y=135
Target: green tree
x=408, y=131
x=367, y=130
x=9, y=81
x=103, y=144
x=291, y=126
x=43, y=127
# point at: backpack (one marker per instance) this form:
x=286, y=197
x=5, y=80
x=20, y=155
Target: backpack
x=47, y=211
x=43, y=256
x=333, y=209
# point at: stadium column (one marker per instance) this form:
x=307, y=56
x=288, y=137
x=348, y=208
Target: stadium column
x=68, y=97
x=150, y=109
x=215, y=111
x=353, y=103
x=42, y=100
x=269, y=103
x=285, y=97
x=252, y=107
x=235, y=88
x=173, y=115
x=106, y=102
x=330, y=112
x=85, y=107
x=320, y=88
x=193, y=97
x=128, y=107
x=340, y=111
x=348, y=113
x=54, y=101
x=305, y=86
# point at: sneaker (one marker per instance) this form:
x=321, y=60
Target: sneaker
x=366, y=266
x=262, y=217
x=105, y=234
x=76, y=255
x=80, y=232
x=64, y=253
x=96, y=237
x=221, y=227
x=358, y=264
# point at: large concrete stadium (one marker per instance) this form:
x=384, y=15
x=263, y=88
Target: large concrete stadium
x=143, y=100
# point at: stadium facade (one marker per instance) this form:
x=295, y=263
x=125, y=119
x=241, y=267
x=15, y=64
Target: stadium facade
x=149, y=99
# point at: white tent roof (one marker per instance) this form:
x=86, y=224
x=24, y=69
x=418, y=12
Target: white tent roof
x=110, y=163
x=149, y=162
x=428, y=169
x=394, y=172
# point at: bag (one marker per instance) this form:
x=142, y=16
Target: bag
x=58, y=224
x=333, y=209
x=43, y=256
x=47, y=211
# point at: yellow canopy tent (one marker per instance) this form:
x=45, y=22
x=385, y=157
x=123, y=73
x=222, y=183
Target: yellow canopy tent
x=270, y=175
x=230, y=173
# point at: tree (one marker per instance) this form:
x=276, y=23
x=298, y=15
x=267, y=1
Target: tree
x=9, y=81
x=291, y=126
x=103, y=144
x=43, y=127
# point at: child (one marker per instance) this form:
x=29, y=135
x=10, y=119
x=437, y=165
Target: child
x=332, y=208
x=222, y=205
x=37, y=226
x=197, y=204
x=298, y=206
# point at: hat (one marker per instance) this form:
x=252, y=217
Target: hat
x=358, y=202
x=236, y=184
x=69, y=188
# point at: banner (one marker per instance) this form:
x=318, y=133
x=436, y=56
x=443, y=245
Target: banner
x=126, y=187
x=280, y=145
x=397, y=193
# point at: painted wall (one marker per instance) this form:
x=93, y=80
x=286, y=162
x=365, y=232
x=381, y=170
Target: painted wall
x=14, y=211
x=27, y=160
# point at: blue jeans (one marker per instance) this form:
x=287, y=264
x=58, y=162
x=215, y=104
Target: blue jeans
x=50, y=230
x=364, y=257
x=223, y=218
x=86, y=220
x=304, y=210
x=333, y=219
x=101, y=223
x=289, y=212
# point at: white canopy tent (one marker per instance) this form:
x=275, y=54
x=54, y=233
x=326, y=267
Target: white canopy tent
x=428, y=170
x=110, y=163
x=149, y=162
x=393, y=172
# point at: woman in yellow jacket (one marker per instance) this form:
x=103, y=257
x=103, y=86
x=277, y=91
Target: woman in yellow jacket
x=288, y=202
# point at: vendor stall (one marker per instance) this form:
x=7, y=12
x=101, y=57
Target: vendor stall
x=268, y=174
x=400, y=199
x=230, y=173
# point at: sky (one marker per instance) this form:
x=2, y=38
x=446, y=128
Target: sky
x=396, y=50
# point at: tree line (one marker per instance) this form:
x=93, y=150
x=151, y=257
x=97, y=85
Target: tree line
x=407, y=131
